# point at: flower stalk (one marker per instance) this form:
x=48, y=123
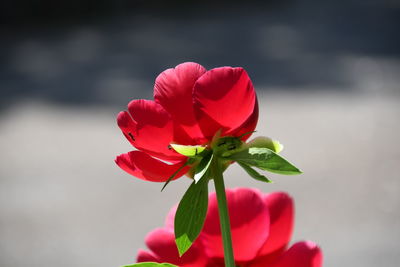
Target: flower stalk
x=225, y=225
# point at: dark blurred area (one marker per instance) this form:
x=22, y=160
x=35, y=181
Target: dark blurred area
x=95, y=52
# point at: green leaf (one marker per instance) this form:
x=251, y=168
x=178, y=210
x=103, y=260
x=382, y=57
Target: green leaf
x=191, y=213
x=150, y=264
x=265, y=142
x=188, y=162
x=203, y=166
x=188, y=151
x=265, y=159
x=253, y=173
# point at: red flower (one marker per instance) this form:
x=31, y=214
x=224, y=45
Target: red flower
x=190, y=105
x=261, y=229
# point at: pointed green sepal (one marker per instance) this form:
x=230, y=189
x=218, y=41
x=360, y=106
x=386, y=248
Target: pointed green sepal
x=203, y=167
x=265, y=159
x=253, y=173
x=188, y=151
x=247, y=133
x=188, y=162
x=266, y=142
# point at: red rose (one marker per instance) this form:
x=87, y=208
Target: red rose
x=261, y=226
x=190, y=106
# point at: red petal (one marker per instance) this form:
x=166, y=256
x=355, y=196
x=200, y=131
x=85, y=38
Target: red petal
x=173, y=90
x=224, y=98
x=143, y=166
x=249, y=223
x=151, y=129
x=281, y=212
x=162, y=244
x=301, y=254
x=127, y=126
x=144, y=256
x=248, y=126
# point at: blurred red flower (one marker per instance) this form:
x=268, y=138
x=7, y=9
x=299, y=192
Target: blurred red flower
x=261, y=226
x=190, y=105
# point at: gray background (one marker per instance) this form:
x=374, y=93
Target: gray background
x=327, y=77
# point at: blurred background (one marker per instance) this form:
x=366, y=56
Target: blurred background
x=327, y=74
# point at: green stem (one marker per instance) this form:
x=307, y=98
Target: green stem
x=223, y=214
